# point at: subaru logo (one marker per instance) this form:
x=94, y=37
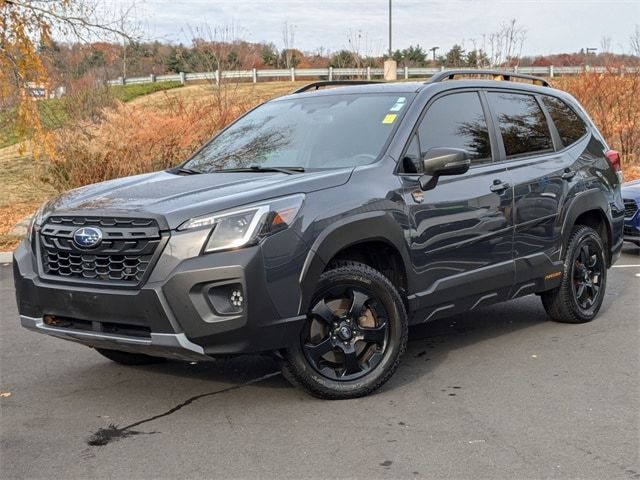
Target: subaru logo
x=87, y=237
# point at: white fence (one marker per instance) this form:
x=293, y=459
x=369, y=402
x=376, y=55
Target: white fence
x=331, y=73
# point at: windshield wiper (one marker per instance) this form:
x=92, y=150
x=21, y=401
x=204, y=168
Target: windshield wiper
x=187, y=171
x=258, y=168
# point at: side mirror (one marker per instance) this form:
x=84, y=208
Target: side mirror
x=443, y=161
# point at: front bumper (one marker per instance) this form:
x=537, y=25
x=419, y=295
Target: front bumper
x=173, y=314
x=632, y=228
x=169, y=345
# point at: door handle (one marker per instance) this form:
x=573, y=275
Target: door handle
x=568, y=174
x=499, y=187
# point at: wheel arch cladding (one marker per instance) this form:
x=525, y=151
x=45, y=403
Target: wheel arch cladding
x=590, y=209
x=366, y=234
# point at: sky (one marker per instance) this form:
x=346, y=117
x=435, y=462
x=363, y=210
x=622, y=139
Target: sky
x=552, y=26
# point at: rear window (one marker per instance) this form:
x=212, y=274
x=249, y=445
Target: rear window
x=570, y=127
x=522, y=124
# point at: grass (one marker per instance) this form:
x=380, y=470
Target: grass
x=23, y=191
x=126, y=93
x=21, y=183
x=54, y=112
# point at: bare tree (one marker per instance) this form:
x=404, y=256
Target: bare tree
x=355, y=44
x=216, y=46
x=288, y=39
x=634, y=41
x=506, y=44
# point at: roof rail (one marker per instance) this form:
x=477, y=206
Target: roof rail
x=496, y=74
x=331, y=83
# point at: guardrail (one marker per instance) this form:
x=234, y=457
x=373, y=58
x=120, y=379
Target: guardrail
x=331, y=73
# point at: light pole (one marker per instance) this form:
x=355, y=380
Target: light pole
x=390, y=65
x=390, y=49
x=433, y=51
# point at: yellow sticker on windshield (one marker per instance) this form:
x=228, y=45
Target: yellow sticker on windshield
x=390, y=118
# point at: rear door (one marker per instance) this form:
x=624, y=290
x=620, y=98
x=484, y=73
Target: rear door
x=461, y=232
x=543, y=174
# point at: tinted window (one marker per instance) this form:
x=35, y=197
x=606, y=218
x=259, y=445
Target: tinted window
x=314, y=132
x=522, y=124
x=412, y=162
x=569, y=125
x=456, y=121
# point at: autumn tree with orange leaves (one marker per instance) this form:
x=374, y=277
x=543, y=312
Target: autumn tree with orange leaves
x=26, y=29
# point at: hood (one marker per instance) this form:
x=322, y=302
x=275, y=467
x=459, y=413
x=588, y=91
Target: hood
x=178, y=198
x=631, y=190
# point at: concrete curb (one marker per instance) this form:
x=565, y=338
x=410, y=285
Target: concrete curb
x=6, y=257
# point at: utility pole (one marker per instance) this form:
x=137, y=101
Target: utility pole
x=390, y=48
x=433, y=51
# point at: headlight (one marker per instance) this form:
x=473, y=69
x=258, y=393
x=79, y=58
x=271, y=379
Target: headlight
x=245, y=226
x=36, y=222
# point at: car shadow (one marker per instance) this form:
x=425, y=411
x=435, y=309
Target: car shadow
x=432, y=342
x=631, y=249
x=429, y=344
x=428, y=347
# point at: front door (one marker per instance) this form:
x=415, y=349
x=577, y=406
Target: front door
x=462, y=230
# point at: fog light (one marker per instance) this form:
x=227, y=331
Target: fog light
x=236, y=298
x=227, y=299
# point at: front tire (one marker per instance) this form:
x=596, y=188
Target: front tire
x=355, y=334
x=584, y=279
x=128, y=358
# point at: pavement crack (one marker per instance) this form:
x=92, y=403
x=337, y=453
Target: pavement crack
x=113, y=433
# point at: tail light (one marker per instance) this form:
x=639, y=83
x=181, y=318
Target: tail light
x=613, y=157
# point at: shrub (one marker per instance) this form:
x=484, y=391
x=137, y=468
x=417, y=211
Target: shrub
x=613, y=102
x=134, y=139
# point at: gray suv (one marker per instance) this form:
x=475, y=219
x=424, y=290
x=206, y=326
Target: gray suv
x=320, y=225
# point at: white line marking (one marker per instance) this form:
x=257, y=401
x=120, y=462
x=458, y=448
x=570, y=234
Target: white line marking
x=626, y=266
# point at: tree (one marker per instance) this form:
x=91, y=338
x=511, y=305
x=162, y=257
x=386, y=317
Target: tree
x=477, y=59
x=342, y=59
x=634, y=40
x=269, y=55
x=288, y=37
x=506, y=44
x=456, y=56
x=25, y=26
x=415, y=56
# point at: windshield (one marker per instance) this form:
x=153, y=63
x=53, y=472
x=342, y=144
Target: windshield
x=324, y=131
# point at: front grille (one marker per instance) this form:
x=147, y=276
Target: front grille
x=630, y=207
x=123, y=257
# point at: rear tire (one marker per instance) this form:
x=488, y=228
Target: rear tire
x=584, y=279
x=128, y=358
x=355, y=334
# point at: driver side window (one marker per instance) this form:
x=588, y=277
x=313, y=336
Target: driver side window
x=454, y=121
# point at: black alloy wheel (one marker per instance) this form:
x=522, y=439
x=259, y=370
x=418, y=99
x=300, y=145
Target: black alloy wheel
x=584, y=279
x=355, y=333
x=587, y=273
x=347, y=333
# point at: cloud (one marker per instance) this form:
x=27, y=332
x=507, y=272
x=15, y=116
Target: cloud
x=552, y=26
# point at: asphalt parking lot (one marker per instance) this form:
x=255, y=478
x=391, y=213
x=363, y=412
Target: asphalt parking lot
x=501, y=393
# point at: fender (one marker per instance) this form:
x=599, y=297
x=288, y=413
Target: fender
x=378, y=226
x=585, y=201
